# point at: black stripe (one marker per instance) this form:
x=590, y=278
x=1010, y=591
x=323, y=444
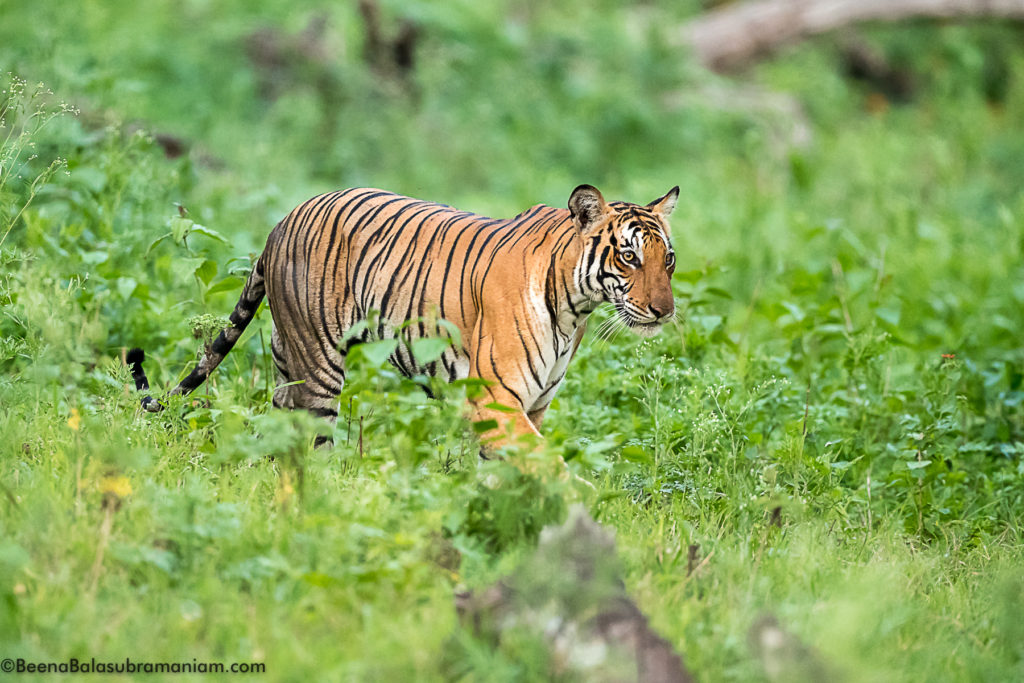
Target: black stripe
x=526, y=350
x=501, y=380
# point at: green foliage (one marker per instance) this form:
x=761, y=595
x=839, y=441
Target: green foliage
x=24, y=113
x=832, y=431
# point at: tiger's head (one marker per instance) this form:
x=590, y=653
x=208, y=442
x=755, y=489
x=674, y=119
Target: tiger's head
x=628, y=258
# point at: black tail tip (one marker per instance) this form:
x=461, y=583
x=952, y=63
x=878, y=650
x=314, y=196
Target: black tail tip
x=135, y=357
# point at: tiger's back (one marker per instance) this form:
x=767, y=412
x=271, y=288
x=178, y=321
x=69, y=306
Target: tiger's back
x=365, y=254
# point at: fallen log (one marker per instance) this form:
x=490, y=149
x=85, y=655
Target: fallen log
x=732, y=36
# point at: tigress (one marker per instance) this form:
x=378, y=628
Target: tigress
x=519, y=291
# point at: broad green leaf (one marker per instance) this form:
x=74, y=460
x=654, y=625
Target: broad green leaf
x=429, y=349
x=353, y=332
x=688, y=275
x=484, y=426
x=126, y=287
x=453, y=331
x=501, y=408
x=377, y=352
x=706, y=323
x=635, y=453
x=184, y=268
x=794, y=310
x=93, y=179
x=719, y=292
x=209, y=232
x=226, y=284
x=608, y=496
x=94, y=258
x=155, y=242
x=207, y=271
x=180, y=227
x=889, y=315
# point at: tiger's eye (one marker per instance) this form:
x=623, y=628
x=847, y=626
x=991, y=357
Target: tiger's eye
x=628, y=256
x=670, y=260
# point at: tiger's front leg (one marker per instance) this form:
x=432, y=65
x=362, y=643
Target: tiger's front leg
x=502, y=404
x=518, y=429
x=509, y=427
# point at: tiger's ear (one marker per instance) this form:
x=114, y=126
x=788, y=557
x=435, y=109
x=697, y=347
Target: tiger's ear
x=666, y=204
x=586, y=205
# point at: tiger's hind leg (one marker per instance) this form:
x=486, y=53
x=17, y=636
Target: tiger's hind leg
x=304, y=385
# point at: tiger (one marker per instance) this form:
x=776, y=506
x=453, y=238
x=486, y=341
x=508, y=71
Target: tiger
x=365, y=264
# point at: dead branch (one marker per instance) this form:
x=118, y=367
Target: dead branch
x=731, y=36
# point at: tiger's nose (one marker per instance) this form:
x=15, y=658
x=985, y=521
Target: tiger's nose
x=662, y=309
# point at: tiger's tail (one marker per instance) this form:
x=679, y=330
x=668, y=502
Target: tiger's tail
x=248, y=303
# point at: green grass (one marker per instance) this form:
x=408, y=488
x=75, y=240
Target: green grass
x=848, y=351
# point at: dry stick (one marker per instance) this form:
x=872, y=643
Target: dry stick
x=738, y=34
x=696, y=570
x=348, y=431
x=692, y=553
